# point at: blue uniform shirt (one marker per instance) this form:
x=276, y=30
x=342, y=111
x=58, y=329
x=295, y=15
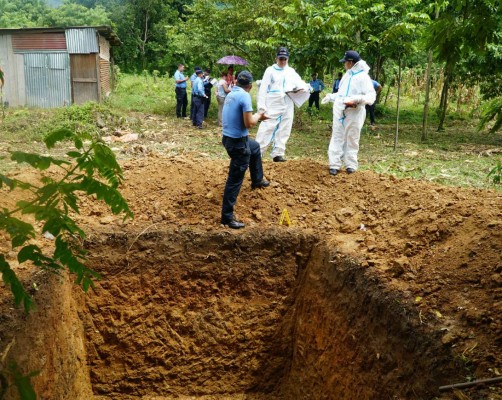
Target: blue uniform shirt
x=198, y=87
x=237, y=102
x=317, y=85
x=336, y=85
x=178, y=75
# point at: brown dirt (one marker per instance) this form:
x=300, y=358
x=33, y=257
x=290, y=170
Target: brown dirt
x=423, y=261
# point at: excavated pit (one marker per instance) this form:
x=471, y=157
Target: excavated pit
x=262, y=314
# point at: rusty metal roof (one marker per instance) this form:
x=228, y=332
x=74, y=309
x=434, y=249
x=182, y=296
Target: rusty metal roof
x=105, y=31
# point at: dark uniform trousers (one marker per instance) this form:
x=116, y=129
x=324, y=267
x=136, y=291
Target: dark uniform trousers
x=198, y=110
x=181, y=102
x=244, y=152
x=207, y=103
x=314, y=98
x=370, y=109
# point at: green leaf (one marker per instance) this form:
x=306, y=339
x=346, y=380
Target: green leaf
x=57, y=136
x=74, y=154
x=11, y=184
x=34, y=254
x=65, y=254
x=10, y=279
x=109, y=195
x=35, y=160
x=18, y=230
x=23, y=382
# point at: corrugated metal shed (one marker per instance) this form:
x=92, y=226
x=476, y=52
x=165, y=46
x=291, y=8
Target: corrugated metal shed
x=82, y=40
x=38, y=41
x=13, y=67
x=51, y=67
x=47, y=79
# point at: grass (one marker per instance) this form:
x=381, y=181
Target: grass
x=458, y=156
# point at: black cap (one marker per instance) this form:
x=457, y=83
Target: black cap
x=196, y=68
x=282, y=52
x=351, y=55
x=244, y=78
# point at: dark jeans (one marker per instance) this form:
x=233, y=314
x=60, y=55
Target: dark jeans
x=191, y=107
x=181, y=102
x=314, y=98
x=198, y=110
x=370, y=109
x=244, y=152
x=207, y=103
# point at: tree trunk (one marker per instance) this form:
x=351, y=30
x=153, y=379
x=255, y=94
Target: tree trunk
x=144, y=39
x=427, y=96
x=398, y=101
x=444, y=94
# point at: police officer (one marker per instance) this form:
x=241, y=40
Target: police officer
x=198, y=100
x=317, y=87
x=181, y=92
x=192, y=80
x=244, y=152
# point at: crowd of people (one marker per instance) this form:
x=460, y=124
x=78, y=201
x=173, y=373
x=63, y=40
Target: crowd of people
x=280, y=89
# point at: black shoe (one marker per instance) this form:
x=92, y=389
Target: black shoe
x=262, y=184
x=278, y=159
x=350, y=170
x=234, y=224
x=333, y=171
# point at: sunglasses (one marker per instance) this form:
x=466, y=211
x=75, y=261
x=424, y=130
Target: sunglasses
x=282, y=58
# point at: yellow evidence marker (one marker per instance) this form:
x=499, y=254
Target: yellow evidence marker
x=285, y=218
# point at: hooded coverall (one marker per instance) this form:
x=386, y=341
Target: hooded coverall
x=278, y=106
x=355, y=86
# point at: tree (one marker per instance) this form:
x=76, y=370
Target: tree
x=23, y=13
x=70, y=14
x=466, y=28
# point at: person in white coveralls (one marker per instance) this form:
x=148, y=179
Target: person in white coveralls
x=355, y=91
x=278, y=80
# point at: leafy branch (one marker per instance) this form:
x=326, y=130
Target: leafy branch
x=92, y=171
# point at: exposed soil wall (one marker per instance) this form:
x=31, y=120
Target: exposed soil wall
x=260, y=315
x=49, y=340
x=193, y=314
x=354, y=339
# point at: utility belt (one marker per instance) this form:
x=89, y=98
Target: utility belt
x=199, y=96
x=236, y=140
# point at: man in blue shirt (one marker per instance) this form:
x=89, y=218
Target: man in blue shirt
x=181, y=92
x=336, y=83
x=244, y=152
x=317, y=87
x=192, y=80
x=198, y=98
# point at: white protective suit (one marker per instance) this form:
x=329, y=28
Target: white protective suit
x=355, y=86
x=272, y=98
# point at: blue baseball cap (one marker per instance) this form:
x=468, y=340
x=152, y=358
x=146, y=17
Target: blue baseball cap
x=282, y=52
x=351, y=55
x=244, y=78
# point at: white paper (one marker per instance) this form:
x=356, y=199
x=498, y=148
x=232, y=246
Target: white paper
x=299, y=97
